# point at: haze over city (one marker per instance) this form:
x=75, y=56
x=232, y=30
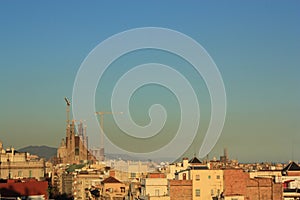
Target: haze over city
x=255, y=46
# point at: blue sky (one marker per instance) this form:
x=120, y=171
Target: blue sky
x=255, y=45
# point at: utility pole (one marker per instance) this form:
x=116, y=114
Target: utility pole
x=101, y=119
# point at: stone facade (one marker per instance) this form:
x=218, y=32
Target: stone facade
x=74, y=149
x=19, y=165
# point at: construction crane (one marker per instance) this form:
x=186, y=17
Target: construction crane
x=101, y=119
x=68, y=110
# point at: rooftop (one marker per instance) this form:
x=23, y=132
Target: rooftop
x=195, y=160
x=292, y=166
x=110, y=180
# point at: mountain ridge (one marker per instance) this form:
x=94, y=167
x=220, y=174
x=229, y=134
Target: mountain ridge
x=42, y=151
x=46, y=152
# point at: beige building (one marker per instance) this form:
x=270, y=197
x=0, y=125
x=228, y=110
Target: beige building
x=113, y=189
x=176, y=167
x=62, y=180
x=206, y=183
x=67, y=184
x=83, y=182
x=128, y=170
x=276, y=174
x=57, y=181
x=15, y=165
x=134, y=189
x=155, y=189
x=78, y=180
x=173, y=168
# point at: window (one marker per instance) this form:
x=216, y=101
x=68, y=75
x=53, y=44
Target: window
x=209, y=176
x=30, y=173
x=197, y=192
x=133, y=175
x=197, y=177
x=184, y=176
x=218, y=176
x=20, y=174
x=10, y=175
x=76, y=151
x=234, y=198
x=157, y=192
x=122, y=189
x=212, y=192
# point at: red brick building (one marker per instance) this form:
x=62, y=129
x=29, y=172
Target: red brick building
x=238, y=183
x=235, y=182
x=181, y=189
x=156, y=175
x=263, y=188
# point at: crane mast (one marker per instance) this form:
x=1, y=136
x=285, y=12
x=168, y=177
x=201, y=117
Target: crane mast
x=101, y=120
x=68, y=110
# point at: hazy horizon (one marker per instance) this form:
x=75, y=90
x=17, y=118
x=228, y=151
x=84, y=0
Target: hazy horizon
x=255, y=45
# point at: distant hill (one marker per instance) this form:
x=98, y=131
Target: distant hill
x=123, y=157
x=133, y=158
x=48, y=152
x=42, y=151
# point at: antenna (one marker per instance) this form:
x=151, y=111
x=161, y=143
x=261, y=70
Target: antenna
x=293, y=149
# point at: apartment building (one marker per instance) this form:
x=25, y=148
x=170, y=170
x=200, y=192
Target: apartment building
x=291, y=181
x=128, y=170
x=181, y=189
x=239, y=185
x=84, y=181
x=19, y=165
x=155, y=187
x=206, y=183
x=113, y=189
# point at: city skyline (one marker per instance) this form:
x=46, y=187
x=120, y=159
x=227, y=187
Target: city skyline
x=254, y=44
